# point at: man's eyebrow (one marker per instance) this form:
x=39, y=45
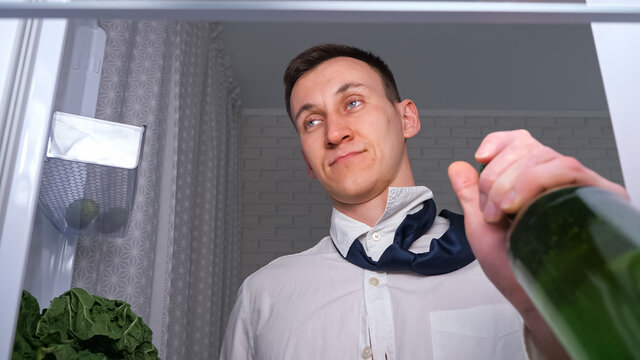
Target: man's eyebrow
x=340, y=90
x=348, y=86
x=303, y=108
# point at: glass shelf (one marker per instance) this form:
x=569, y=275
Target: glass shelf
x=333, y=11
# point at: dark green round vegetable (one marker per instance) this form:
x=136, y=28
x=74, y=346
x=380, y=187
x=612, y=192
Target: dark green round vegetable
x=80, y=213
x=111, y=220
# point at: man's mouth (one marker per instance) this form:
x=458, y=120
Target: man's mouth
x=345, y=156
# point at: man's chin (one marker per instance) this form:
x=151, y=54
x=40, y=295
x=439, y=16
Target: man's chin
x=355, y=195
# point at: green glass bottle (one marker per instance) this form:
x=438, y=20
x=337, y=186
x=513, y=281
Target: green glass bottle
x=576, y=251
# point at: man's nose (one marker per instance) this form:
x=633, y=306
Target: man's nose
x=338, y=130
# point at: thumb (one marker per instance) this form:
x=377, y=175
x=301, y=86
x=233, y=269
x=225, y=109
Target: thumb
x=464, y=180
x=488, y=241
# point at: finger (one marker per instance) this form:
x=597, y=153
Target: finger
x=502, y=188
x=560, y=171
x=497, y=141
x=509, y=147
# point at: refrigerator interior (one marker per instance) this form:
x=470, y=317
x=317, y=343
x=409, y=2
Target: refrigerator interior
x=49, y=267
x=88, y=177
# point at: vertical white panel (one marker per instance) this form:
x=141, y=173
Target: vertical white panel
x=82, y=83
x=618, y=49
x=32, y=101
x=10, y=30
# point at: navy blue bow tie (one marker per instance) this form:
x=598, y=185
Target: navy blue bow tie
x=448, y=253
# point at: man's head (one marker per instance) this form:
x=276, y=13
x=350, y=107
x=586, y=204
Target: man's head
x=351, y=133
x=310, y=58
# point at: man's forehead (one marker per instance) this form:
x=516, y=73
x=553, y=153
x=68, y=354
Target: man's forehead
x=344, y=65
x=340, y=74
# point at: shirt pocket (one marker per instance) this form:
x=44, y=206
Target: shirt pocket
x=485, y=332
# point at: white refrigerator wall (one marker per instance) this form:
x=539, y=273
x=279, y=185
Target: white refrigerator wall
x=31, y=82
x=621, y=79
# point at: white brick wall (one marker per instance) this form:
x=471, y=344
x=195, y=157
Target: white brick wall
x=284, y=212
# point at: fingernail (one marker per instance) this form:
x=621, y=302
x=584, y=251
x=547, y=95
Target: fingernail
x=508, y=200
x=483, y=151
x=491, y=212
x=483, y=200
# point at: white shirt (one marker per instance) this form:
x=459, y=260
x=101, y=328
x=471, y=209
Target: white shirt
x=316, y=305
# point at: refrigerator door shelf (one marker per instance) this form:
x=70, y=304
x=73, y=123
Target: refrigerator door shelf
x=89, y=177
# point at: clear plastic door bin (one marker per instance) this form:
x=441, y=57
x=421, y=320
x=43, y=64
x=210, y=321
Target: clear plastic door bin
x=89, y=176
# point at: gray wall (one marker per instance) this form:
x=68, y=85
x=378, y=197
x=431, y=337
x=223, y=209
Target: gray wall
x=439, y=66
x=284, y=212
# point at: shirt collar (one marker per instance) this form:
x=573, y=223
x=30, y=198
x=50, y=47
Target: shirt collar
x=401, y=202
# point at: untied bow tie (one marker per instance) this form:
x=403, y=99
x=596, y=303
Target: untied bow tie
x=448, y=253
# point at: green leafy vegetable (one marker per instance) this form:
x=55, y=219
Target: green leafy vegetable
x=68, y=352
x=79, y=325
x=26, y=345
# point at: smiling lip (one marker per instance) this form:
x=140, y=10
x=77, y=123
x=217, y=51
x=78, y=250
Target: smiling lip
x=345, y=157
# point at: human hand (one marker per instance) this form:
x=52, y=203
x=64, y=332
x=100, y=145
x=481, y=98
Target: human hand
x=519, y=168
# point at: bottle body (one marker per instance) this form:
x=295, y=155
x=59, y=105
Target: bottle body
x=576, y=251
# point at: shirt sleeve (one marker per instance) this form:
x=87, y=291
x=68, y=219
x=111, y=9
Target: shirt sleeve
x=238, y=338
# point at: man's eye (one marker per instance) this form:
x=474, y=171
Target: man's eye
x=353, y=104
x=311, y=123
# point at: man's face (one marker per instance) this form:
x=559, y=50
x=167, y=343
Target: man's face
x=352, y=136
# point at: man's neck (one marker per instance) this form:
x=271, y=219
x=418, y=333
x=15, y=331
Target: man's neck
x=368, y=212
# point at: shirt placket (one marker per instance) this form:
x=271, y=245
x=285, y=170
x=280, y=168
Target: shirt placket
x=379, y=321
x=378, y=312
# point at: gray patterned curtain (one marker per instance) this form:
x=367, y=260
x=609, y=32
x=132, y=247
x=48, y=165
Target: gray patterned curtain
x=178, y=263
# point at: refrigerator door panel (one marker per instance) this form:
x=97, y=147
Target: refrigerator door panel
x=51, y=253
x=25, y=129
x=8, y=58
x=621, y=79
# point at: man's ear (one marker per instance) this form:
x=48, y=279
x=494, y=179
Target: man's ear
x=410, y=118
x=310, y=172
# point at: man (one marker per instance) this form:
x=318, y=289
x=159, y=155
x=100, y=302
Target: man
x=357, y=294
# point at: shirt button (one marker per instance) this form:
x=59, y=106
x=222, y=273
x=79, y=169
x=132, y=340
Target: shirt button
x=375, y=236
x=366, y=352
x=374, y=281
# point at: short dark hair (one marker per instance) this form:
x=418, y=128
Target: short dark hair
x=310, y=58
